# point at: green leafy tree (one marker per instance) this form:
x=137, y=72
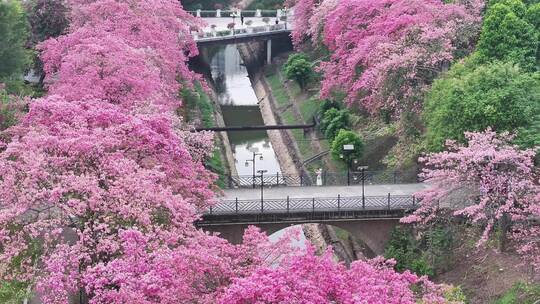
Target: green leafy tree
x=510, y=33
x=333, y=121
x=299, y=68
x=13, y=36
x=345, y=137
x=468, y=98
x=328, y=104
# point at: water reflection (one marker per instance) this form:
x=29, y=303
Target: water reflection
x=239, y=105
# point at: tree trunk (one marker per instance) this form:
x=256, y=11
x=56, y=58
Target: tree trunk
x=504, y=226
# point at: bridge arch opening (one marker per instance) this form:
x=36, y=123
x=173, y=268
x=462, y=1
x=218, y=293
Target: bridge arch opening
x=368, y=236
x=348, y=245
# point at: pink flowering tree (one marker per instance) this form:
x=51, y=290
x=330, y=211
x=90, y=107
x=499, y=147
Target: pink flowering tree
x=384, y=54
x=303, y=10
x=198, y=271
x=100, y=163
x=308, y=278
x=100, y=187
x=488, y=181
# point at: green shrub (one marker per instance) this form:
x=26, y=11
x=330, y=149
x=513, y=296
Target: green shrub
x=345, y=137
x=455, y=294
x=423, y=256
x=13, y=292
x=328, y=104
x=299, y=68
x=403, y=248
x=333, y=121
x=508, y=35
x=472, y=98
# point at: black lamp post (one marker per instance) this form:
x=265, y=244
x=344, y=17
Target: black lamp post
x=253, y=160
x=347, y=150
x=262, y=172
x=363, y=170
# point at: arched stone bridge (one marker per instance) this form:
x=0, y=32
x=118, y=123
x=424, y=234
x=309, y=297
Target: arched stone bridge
x=367, y=218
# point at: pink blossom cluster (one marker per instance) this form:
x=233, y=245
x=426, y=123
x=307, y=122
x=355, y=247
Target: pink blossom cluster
x=101, y=159
x=489, y=181
x=99, y=188
x=309, y=278
x=384, y=54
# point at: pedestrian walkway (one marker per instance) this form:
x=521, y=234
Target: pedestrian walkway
x=330, y=191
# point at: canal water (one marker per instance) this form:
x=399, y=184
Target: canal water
x=240, y=108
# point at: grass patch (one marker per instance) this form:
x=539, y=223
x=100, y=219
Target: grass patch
x=295, y=89
x=521, y=293
x=304, y=145
x=278, y=90
x=308, y=109
x=289, y=118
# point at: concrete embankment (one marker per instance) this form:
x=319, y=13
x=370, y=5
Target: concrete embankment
x=287, y=152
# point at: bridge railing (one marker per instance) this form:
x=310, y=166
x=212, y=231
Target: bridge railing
x=326, y=179
x=230, y=13
x=212, y=35
x=321, y=204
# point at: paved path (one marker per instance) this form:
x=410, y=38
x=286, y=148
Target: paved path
x=331, y=191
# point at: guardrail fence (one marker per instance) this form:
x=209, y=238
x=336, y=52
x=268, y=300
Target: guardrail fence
x=323, y=204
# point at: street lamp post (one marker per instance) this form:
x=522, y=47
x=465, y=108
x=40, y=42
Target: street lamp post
x=363, y=169
x=348, y=149
x=262, y=172
x=253, y=160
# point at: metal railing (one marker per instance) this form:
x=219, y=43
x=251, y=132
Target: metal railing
x=239, y=33
x=327, y=179
x=322, y=204
x=230, y=13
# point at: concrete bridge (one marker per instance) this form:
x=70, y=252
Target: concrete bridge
x=231, y=27
x=369, y=217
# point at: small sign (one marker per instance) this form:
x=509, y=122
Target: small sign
x=348, y=147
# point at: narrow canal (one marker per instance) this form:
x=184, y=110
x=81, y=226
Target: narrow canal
x=240, y=108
